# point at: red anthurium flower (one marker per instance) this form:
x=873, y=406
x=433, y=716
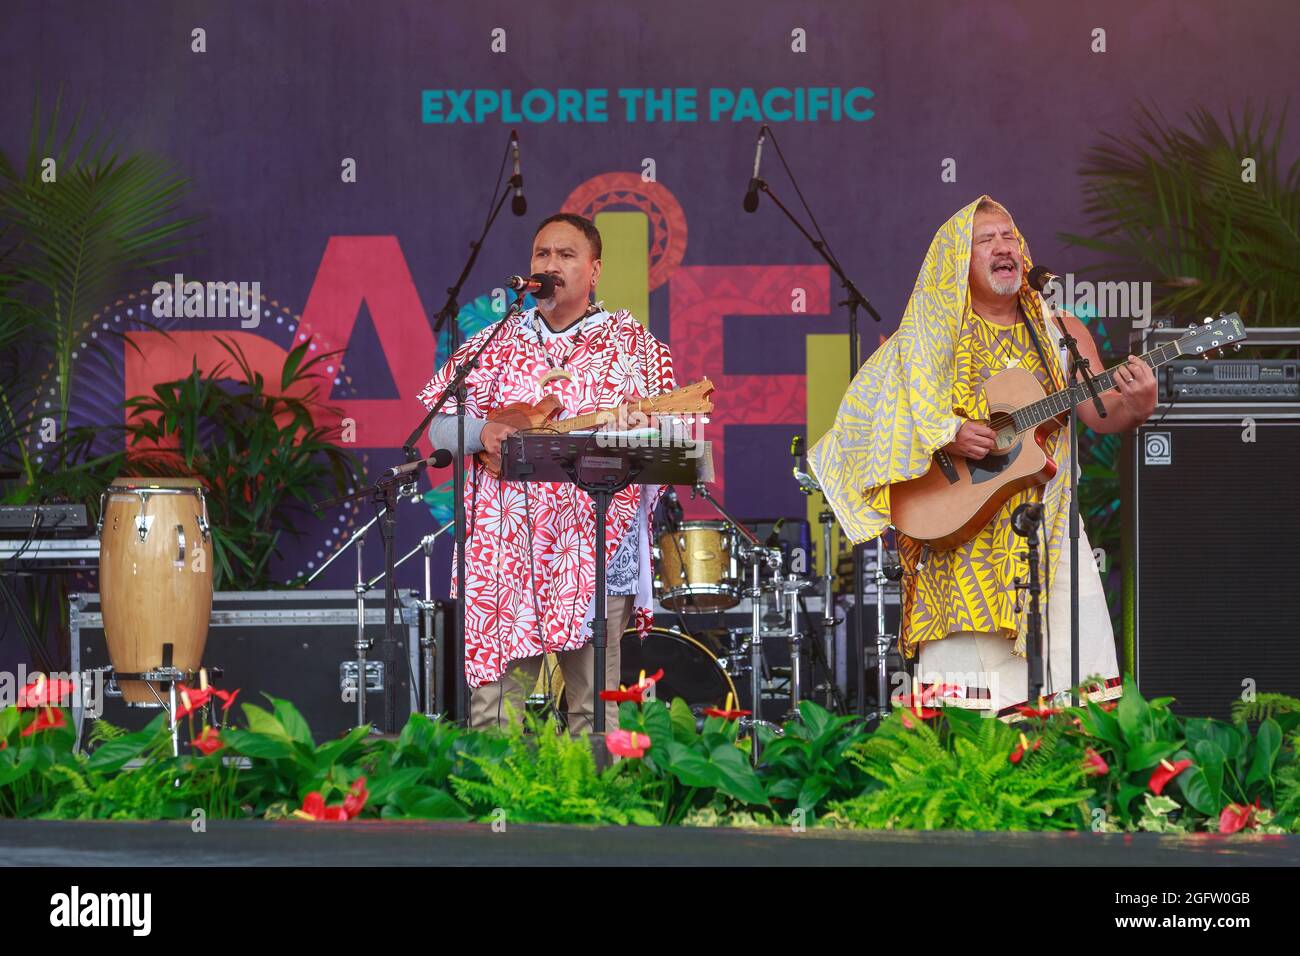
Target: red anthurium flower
x=636, y=693
x=623, y=694
x=227, y=697
x=356, y=799
x=313, y=808
x=627, y=743
x=726, y=713
x=1238, y=816
x=208, y=742
x=48, y=718
x=1041, y=712
x=907, y=721
x=192, y=700
x=1166, y=772
x=1095, y=764
x=1023, y=748
x=916, y=704
x=46, y=693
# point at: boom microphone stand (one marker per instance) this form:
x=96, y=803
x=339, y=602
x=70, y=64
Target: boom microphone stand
x=447, y=316
x=1078, y=369
x=854, y=299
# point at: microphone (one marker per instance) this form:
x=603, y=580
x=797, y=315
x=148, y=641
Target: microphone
x=751, y=194
x=1026, y=518
x=518, y=205
x=541, y=286
x=440, y=458
x=672, y=508
x=1040, y=278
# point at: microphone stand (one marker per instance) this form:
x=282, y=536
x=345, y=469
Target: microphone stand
x=854, y=300
x=384, y=493
x=1026, y=526
x=447, y=316
x=1078, y=370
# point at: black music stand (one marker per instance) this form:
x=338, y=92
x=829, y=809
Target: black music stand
x=602, y=465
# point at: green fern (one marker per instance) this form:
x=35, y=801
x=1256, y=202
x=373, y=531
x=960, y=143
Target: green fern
x=1263, y=707
x=101, y=731
x=550, y=777
x=970, y=784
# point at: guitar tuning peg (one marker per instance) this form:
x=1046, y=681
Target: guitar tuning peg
x=1207, y=320
x=1191, y=326
x=1236, y=347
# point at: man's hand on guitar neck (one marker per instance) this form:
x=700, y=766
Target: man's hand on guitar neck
x=973, y=440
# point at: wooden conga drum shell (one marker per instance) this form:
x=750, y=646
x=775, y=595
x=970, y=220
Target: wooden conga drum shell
x=155, y=589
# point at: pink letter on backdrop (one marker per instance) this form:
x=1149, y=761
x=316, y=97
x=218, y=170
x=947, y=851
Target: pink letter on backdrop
x=699, y=299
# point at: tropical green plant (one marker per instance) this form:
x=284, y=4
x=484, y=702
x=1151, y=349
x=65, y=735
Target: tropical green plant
x=262, y=454
x=686, y=768
x=805, y=768
x=1209, y=215
x=1071, y=769
x=78, y=221
x=550, y=777
x=961, y=775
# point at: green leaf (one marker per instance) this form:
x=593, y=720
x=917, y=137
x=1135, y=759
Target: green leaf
x=736, y=777
x=683, y=721
x=691, y=768
x=292, y=721
x=1146, y=756
x=112, y=755
x=386, y=787
x=438, y=805
x=252, y=744
x=330, y=753
x=15, y=765
x=1268, y=744
x=261, y=721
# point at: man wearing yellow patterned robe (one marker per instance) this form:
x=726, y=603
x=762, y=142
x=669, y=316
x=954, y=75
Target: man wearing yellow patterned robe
x=972, y=315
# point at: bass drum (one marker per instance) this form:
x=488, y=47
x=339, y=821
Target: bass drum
x=691, y=671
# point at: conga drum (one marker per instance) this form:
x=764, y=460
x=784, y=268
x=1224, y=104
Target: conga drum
x=155, y=578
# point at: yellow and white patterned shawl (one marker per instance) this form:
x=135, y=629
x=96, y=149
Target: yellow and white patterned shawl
x=899, y=407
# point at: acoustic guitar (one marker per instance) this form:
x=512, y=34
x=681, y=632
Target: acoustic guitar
x=691, y=399
x=950, y=503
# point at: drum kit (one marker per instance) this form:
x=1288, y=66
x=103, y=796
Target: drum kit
x=706, y=567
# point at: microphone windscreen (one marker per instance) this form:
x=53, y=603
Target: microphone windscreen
x=1039, y=278
x=547, y=290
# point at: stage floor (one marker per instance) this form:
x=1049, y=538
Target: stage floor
x=420, y=843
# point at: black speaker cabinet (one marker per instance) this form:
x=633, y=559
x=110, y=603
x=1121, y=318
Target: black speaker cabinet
x=1212, y=557
x=295, y=645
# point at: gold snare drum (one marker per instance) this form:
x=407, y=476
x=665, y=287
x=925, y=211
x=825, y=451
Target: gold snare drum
x=699, y=567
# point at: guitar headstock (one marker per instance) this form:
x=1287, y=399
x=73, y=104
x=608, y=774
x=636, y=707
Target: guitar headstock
x=688, y=400
x=1213, y=334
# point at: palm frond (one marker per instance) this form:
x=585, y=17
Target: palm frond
x=1177, y=207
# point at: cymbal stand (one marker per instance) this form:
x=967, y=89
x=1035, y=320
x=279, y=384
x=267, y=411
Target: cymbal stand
x=428, y=643
x=883, y=573
x=755, y=554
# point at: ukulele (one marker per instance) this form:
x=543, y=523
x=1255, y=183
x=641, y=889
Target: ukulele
x=950, y=503
x=688, y=400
